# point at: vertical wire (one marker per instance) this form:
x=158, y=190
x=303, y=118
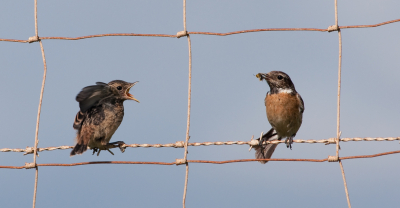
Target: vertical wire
x=186, y=182
x=39, y=109
x=190, y=81
x=35, y=189
x=189, y=98
x=184, y=15
x=38, y=121
x=189, y=106
x=345, y=184
x=339, y=81
x=188, y=121
x=36, y=23
x=338, y=133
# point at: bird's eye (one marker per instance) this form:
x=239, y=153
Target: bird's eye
x=119, y=88
x=280, y=77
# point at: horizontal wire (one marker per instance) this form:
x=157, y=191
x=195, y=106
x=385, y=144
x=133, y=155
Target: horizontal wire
x=205, y=33
x=201, y=161
x=259, y=30
x=365, y=26
x=112, y=34
x=293, y=29
x=180, y=144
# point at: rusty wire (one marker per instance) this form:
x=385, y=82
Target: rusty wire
x=366, y=26
x=204, y=33
x=107, y=35
x=259, y=30
x=203, y=161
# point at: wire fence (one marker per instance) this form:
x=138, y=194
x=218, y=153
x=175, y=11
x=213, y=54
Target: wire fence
x=181, y=144
x=184, y=144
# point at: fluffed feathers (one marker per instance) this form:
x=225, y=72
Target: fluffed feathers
x=101, y=113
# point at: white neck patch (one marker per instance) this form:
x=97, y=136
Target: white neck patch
x=288, y=91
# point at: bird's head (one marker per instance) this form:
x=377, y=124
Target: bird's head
x=121, y=89
x=277, y=80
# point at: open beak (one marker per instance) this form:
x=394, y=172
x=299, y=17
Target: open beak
x=262, y=76
x=130, y=96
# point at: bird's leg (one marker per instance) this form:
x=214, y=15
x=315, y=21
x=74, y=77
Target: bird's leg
x=288, y=142
x=262, y=140
x=267, y=136
x=112, y=145
x=105, y=149
x=118, y=144
x=95, y=150
x=110, y=151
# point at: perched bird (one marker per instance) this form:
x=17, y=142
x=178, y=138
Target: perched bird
x=101, y=113
x=285, y=109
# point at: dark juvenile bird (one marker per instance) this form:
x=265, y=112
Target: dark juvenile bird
x=101, y=113
x=285, y=109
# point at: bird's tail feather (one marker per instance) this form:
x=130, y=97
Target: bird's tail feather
x=265, y=151
x=79, y=149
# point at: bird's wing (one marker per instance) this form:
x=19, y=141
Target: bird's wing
x=90, y=95
x=79, y=118
x=302, y=103
x=271, y=135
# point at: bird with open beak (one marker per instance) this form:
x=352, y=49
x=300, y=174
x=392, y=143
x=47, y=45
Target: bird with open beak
x=284, y=108
x=101, y=113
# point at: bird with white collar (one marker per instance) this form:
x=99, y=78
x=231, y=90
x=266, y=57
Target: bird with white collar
x=284, y=108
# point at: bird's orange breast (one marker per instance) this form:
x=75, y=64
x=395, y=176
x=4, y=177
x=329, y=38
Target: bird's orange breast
x=283, y=112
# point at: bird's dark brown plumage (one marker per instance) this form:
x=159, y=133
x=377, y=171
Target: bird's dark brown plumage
x=101, y=113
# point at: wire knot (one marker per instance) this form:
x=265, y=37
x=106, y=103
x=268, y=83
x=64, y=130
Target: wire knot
x=254, y=142
x=30, y=165
x=333, y=28
x=33, y=39
x=181, y=34
x=333, y=158
x=180, y=161
x=179, y=144
x=29, y=150
x=331, y=141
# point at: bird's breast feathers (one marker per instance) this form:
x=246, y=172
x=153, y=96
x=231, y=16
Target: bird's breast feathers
x=103, y=121
x=284, y=112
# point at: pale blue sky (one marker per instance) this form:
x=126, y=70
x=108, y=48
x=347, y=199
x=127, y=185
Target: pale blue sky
x=227, y=101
